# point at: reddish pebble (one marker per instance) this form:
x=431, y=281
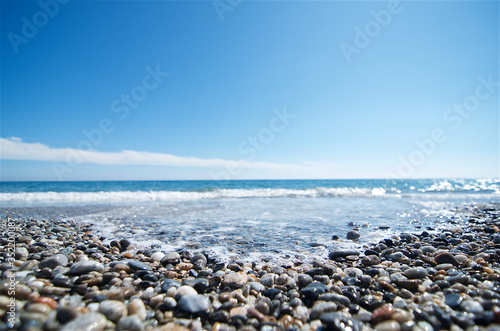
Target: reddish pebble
x=383, y=313
x=46, y=300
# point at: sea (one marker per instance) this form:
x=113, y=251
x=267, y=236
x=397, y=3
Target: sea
x=270, y=220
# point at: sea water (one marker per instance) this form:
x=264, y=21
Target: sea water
x=251, y=219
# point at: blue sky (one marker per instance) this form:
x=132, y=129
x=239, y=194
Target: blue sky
x=250, y=89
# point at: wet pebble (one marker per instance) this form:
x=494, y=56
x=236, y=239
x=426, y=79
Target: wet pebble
x=313, y=290
x=340, y=321
x=446, y=257
x=136, y=265
x=342, y=253
x=85, y=267
x=194, y=303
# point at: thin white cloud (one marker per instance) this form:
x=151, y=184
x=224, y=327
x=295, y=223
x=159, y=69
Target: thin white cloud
x=14, y=148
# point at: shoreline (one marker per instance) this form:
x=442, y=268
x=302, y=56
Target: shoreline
x=68, y=280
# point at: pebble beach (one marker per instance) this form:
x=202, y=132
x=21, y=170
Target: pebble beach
x=62, y=275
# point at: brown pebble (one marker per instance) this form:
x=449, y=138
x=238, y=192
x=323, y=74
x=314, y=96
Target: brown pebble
x=185, y=266
x=252, y=312
x=122, y=267
x=409, y=284
x=171, y=274
x=405, y=294
x=46, y=300
x=115, y=293
x=22, y=292
x=386, y=285
x=383, y=313
x=224, y=297
x=240, y=310
x=263, y=307
x=235, y=280
x=286, y=321
x=24, y=239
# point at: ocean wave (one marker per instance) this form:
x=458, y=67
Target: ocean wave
x=145, y=196
x=465, y=185
x=119, y=196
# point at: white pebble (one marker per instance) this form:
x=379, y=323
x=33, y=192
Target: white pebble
x=157, y=256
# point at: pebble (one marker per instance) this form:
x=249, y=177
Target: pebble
x=169, y=283
x=257, y=286
x=389, y=325
x=471, y=306
x=313, y=290
x=87, y=322
x=170, y=258
x=170, y=303
x=322, y=307
x=194, y=303
x=353, y=235
x=304, y=280
x=235, y=280
x=136, y=307
x=114, y=310
x=158, y=256
x=370, y=260
x=85, y=267
x=38, y=308
x=184, y=290
x=335, y=254
x=415, y=273
x=263, y=307
x=21, y=253
x=136, y=265
x=446, y=257
x=383, y=313
x=46, y=301
x=268, y=279
x=453, y=300
x=238, y=311
x=66, y=314
x=54, y=261
x=340, y=321
x=130, y=323
x=428, y=249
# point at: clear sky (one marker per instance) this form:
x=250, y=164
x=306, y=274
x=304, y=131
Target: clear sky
x=249, y=89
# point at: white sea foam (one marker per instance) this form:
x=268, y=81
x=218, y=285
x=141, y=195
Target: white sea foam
x=144, y=196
